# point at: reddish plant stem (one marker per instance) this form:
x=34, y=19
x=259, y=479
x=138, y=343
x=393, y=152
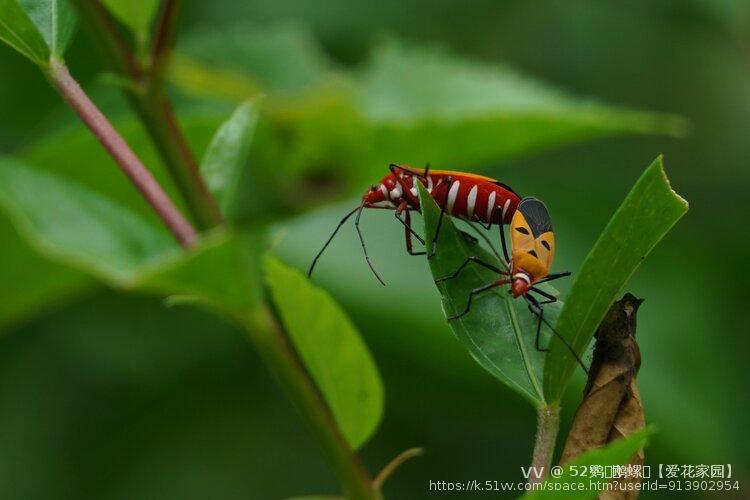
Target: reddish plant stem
x=151, y=104
x=138, y=174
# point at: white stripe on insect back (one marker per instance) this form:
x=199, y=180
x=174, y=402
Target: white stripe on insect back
x=471, y=201
x=523, y=276
x=505, y=209
x=491, y=205
x=396, y=192
x=429, y=184
x=452, y=195
x=384, y=190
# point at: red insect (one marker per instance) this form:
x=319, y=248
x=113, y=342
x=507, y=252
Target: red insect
x=471, y=197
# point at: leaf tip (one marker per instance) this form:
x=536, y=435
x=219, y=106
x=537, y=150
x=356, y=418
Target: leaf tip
x=659, y=164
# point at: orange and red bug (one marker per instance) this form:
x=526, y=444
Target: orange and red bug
x=532, y=252
x=472, y=197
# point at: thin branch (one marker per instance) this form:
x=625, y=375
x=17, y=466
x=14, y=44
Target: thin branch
x=130, y=164
x=548, y=423
x=394, y=464
x=164, y=41
x=153, y=108
x=279, y=354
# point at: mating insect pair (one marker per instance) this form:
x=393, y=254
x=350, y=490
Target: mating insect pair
x=473, y=198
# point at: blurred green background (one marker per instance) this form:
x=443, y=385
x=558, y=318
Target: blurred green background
x=107, y=395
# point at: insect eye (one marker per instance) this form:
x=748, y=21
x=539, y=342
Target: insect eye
x=532, y=252
x=545, y=244
x=522, y=230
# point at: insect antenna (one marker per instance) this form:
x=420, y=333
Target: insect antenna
x=328, y=242
x=570, y=348
x=362, y=241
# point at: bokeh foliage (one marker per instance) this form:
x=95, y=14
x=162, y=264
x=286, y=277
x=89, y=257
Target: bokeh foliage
x=100, y=365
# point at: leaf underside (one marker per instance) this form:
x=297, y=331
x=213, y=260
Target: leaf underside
x=499, y=331
x=646, y=215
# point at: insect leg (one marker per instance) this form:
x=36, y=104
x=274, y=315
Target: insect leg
x=554, y=277
x=393, y=167
x=480, y=289
x=536, y=308
x=330, y=238
x=364, y=248
x=406, y=189
x=448, y=183
x=502, y=231
x=409, y=232
x=550, y=298
x=476, y=260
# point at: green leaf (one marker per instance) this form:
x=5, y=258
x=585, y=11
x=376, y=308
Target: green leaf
x=76, y=225
x=136, y=15
x=332, y=350
x=644, y=218
x=281, y=59
x=226, y=157
x=18, y=31
x=499, y=331
x=79, y=229
x=33, y=283
x=428, y=106
x=55, y=20
x=222, y=271
x=615, y=453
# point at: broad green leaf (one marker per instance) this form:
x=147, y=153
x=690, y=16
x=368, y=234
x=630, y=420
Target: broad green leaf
x=644, y=218
x=332, y=350
x=499, y=331
x=18, y=31
x=76, y=228
x=405, y=105
x=615, y=453
x=136, y=15
x=32, y=283
x=226, y=157
x=55, y=20
x=281, y=59
x=77, y=225
x=428, y=106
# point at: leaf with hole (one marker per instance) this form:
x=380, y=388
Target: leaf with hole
x=644, y=218
x=499, y=331
x=332, y=350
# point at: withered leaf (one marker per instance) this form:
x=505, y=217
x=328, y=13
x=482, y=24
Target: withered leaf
x=611, y=408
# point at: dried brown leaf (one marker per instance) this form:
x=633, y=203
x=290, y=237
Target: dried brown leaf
x=611, y=408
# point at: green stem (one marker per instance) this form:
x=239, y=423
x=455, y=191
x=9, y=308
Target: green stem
x=548, y=423
x=152, y=106
x=164, y=40
x=281, y=358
